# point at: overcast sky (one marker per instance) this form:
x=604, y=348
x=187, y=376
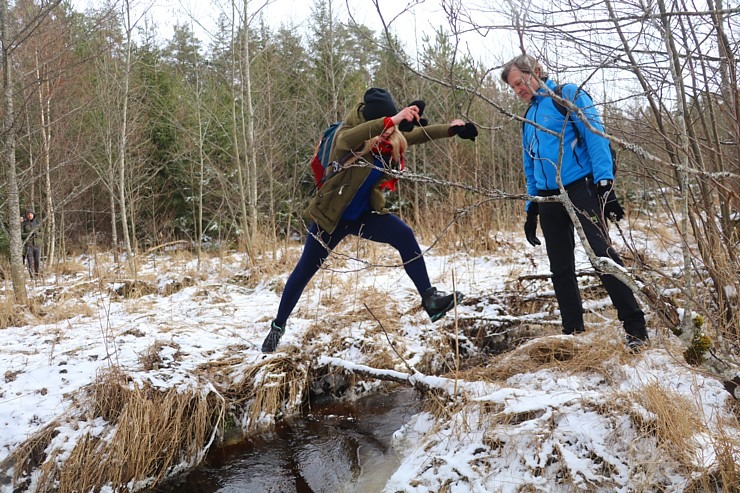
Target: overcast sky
x=424, y=17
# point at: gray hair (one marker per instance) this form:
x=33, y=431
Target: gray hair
x=524, y=63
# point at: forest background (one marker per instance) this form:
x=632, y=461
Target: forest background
x=121, y=140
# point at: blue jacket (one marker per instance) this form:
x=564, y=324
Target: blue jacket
x=541, y=150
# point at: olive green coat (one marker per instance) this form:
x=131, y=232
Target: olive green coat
x=339, y=189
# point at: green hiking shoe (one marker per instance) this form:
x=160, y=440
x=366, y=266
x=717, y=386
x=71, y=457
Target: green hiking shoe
x=273, y=338
x=437, y=303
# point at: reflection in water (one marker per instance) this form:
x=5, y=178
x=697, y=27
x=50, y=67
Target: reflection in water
x=336, y=448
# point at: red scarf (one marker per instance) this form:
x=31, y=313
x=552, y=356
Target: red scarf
x=384, y=151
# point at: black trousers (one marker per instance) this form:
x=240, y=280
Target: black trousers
x=33, y=256
x=558, y=231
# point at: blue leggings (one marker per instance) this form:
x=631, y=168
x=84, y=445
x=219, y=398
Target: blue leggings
x=381, y=228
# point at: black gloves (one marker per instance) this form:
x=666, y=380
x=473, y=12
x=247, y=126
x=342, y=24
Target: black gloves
x=612, y=210
x=530, y=225
x=407, y=126
x=467, y=131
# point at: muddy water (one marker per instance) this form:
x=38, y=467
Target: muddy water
x=335, y=447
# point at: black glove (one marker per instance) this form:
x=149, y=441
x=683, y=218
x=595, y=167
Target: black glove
x=612, y=210
x=408, y=126
x=419, y=104
x=530, y=225
x=467, y=131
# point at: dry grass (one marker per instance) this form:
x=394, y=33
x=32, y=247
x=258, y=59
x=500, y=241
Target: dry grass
x=78, y=290
x=134, y=289
x=380, y=307
x=727, y=464
x=176, y=286
x=12, y=314
x=276, y=386
x=674, y=421
x=151, y=359
x=379, y=357
x=470, y=232
x=105, y=271
x=64, y=311
x=29, y=455
x=374, y=313
x=148, y=433
x=69, y=268
x=178, y=256
x=571, y=355
x=313, y=332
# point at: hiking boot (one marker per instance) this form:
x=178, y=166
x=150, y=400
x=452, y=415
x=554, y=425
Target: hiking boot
x=571, y=331
x=636, y=344
x=273, y=338
x=437, y=303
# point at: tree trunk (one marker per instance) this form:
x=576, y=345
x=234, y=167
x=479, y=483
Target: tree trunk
x=45, y=129
x=249, y=131
x=683, y=139
x=8, y=150
x=236, y=96
x=201, y=170
x=112, y=197
x=122, y=139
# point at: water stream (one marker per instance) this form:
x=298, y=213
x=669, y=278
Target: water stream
x=340, y=447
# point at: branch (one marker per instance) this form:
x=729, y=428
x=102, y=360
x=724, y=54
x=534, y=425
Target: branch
x=416, y=379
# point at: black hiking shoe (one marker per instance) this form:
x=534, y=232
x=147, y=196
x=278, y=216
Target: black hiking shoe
x=577, y=330
x=437, y=303
x=273, y=338
x=635, y=344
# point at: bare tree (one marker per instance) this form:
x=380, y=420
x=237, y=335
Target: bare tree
x=247, y=119
x=123, y=135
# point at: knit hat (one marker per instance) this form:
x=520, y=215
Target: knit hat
x=378, y=104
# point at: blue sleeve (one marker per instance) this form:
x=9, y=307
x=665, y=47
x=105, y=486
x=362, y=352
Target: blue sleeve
x=598, y=146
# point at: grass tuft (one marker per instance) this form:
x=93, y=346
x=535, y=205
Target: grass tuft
x=268, y=390
x=145, y=434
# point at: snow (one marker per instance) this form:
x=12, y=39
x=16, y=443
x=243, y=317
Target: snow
x=519, y=433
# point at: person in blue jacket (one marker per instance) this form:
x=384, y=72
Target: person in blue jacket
x=585, y=165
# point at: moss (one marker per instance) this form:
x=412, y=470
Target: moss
x=700, y=344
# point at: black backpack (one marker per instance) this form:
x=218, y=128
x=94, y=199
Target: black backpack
x=572, y=116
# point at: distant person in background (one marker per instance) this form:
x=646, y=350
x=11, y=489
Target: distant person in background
x=586, y=171
x=351, y=200
x=32, y=252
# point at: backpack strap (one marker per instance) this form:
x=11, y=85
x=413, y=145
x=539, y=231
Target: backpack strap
x=339, y=164
x=569, y=115
x=565, y=111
